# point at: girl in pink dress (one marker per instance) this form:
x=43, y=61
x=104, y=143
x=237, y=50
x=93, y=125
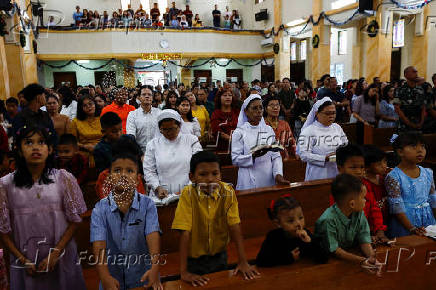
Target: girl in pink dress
x=40, y=209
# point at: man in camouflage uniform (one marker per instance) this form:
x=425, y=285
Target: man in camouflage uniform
x=412, y=102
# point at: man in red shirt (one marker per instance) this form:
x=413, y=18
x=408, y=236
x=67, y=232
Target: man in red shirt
x=120, y=107
x=188, y=14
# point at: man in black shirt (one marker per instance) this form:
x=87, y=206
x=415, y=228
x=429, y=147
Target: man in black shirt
x=287, y=97
x=32, y=115
x=216, y=17
x=341, y=102
x=173, y=11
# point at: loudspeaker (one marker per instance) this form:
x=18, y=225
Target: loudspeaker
x=262, y=15
x=365, y=5
x=5, y=5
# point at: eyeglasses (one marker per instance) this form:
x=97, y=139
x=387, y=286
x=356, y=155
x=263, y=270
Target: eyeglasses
x=88, y=105
x=274, y=106
x=257, y=108
x=168, y=130
x=332, y=113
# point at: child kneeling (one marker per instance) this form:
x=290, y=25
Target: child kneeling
x=207, y=214
x=344, y=225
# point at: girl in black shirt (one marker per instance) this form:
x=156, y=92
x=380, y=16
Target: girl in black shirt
x=290, y=240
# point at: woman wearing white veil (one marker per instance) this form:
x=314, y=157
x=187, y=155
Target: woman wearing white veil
x=262, y=168
x=319, y=139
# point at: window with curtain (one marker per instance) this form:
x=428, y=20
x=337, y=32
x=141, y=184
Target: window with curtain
x=342, y=42
x=124, y=4
x=293, y=51
x=145, y=5
x=303, y=50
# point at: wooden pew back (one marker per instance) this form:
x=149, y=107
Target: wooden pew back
x=379, y=137
x=253, y=204
x=293, y=170
x=350, y=129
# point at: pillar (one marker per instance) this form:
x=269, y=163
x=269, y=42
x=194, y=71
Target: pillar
x=21, y=65
x=356, y=70
x=378, y=49
x=4, y=74
x=420, y=44
x=320, y=61
x=282, y=60
x=129, y=75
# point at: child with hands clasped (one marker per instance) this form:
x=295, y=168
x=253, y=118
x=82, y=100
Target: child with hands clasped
x=290, y=240
x=210, y=204
x=350, y=160
x=411, y=188
x=125, y=224
x=343, y=225
x=40, y=210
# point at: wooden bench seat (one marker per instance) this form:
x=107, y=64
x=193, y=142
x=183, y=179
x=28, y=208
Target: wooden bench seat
x=171, y=269
x=413, y=272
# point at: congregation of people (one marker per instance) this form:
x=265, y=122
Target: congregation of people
x=152, y=146
x=172, y=17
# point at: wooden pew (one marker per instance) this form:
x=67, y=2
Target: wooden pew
x=253, y=204
x=313, y=196
x=293, y=170
x=430, y=159
x=350, y=129
x=415, y=271
x=379, y=137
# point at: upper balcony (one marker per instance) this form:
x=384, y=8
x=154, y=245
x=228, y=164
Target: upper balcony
x=131, y=43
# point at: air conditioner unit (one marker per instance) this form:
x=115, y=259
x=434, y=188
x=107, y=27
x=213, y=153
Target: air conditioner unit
x=267, y=42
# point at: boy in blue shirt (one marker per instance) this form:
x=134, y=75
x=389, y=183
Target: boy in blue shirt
x=125, y=230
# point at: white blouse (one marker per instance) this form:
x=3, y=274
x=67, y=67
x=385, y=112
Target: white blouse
x=192, y=128
x=166, y=163
x=70, y=111
x=262, y=171
x=314, y=144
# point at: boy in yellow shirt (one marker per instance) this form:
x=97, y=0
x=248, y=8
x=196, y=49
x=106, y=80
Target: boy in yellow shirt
x=207, y=215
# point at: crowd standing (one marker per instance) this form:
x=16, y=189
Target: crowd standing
x=172, y=17
x=146, y=145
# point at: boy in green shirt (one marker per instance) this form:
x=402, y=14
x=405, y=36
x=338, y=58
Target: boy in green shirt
x=344, y=225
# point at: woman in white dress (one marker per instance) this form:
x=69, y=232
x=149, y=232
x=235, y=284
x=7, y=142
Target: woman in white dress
x=319, y=139
x=262, y=168
x=69, y=105
x=166, y=164
x=190, y=124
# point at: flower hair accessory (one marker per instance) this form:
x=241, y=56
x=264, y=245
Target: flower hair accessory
x=393, y=138
x=273, y=202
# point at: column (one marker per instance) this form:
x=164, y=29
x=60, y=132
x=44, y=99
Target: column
x=185, y=74
x=4, y=74
x=129, y=75
x=320, y=62
x=22, y=65
x=282, y=60
x=378, y=50
x=420, y=43
x=356, y=71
